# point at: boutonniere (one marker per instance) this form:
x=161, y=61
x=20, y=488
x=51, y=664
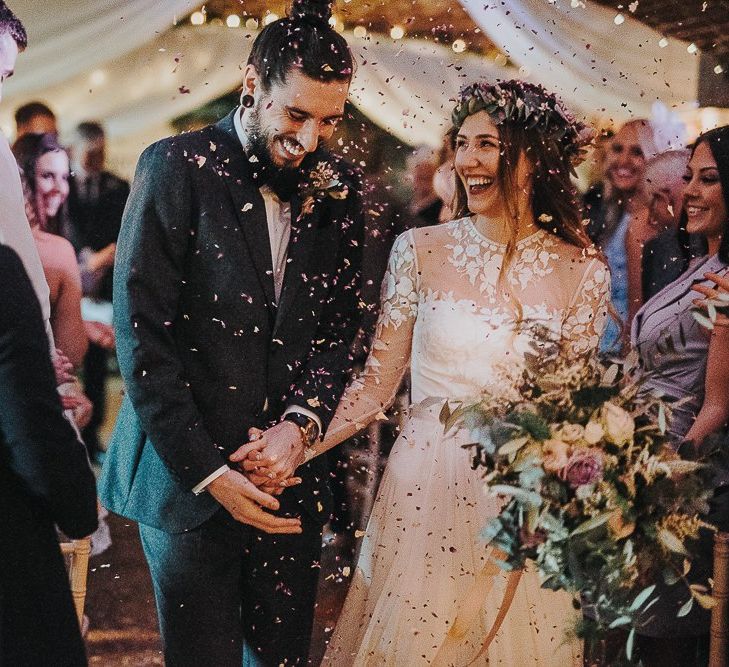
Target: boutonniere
x=324, y=181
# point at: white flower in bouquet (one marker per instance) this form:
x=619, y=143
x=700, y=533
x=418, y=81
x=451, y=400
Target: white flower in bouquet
x=619, y=425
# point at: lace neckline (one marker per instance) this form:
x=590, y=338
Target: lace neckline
x=481, y=236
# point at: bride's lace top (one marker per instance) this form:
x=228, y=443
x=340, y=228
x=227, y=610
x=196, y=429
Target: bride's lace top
x=443, y=315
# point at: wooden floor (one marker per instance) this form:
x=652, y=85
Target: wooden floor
x=120, y=604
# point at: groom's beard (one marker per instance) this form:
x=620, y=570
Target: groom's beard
x=260, y=144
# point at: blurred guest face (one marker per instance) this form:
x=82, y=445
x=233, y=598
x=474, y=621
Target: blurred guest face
x=51, y=183
x=39, y=124
x=703, y=196
x=8, y=56
x=91, y=155
x=666, y=198
x=625, y=160
x=422, y=176
x=477, y=163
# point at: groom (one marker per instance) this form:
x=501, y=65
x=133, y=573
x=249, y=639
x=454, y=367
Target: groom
x=235, y=299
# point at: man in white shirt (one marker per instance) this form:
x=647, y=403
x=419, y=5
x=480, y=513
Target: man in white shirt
x=236, y=294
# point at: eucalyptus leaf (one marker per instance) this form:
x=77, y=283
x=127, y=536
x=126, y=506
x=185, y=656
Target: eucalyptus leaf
x=671, y=542
x=686, y=608
x=620, y=621
x=529, y=497
x=513, y=446
x=591, y=524
x=445, y=413
x=629, y=644
x=662, y=419
x=641, y=598
x=703, y=320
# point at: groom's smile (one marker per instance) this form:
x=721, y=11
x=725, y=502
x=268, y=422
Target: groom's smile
x=294, y=115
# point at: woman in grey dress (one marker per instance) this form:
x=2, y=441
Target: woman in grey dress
x=689, y=364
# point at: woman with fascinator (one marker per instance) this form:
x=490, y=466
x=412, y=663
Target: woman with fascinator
x=459, y=308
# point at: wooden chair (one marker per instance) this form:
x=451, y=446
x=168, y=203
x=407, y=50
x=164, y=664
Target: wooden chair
x=719, y=647
x=77, y=559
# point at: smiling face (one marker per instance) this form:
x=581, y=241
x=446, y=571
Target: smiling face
x=703, y=196
x=477, y=164
x=477, y=161
x=289, y=120
x=51, y=184
x=625, y=160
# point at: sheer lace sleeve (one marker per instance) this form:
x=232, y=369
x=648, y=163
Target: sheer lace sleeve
x=375, y=389
x=588, y=310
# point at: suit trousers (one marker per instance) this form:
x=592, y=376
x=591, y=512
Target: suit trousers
x=225, y=582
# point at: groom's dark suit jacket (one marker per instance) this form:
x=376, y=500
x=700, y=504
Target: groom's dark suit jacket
x=204, y=351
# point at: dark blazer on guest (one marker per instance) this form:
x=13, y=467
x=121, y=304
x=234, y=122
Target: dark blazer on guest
x=45, y=479
x=204, y=350
x=95, y=224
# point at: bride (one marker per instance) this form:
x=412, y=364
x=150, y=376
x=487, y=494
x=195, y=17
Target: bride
x=459, y=305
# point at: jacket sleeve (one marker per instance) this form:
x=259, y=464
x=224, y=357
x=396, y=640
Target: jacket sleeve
x=324, y=377
x=41, y=449
x=148, y=276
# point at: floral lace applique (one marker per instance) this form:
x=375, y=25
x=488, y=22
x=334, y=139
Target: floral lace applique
x=399, y=296
x=588, y=312
x=480, y=259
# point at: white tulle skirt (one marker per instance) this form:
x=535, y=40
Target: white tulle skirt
x=418, y=594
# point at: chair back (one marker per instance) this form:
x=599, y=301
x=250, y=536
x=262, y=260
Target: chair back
x=76, y=554
x=719, y=647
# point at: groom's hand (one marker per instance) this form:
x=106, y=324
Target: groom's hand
x=275, y=454
x=245, y=503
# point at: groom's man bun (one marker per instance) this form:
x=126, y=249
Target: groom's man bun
x=10, y=24
x=304, y=40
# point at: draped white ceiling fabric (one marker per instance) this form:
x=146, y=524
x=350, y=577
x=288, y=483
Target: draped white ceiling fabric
x=576, y=48
x=68, y=37
x=123, y=62
x=404, y=86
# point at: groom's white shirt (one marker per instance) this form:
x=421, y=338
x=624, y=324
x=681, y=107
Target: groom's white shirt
x=278, y=217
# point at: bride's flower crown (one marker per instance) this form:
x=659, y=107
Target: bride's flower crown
x=530, y=105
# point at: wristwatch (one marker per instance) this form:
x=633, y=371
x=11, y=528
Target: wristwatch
x=308, y=427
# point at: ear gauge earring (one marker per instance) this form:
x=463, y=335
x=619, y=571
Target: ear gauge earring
x=247, y=101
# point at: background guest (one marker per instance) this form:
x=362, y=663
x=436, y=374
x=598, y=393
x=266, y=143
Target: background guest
x=34, y=118
x=609, y=206
x=444, y=179
x=96, y=203
x=656, y=213
x=45, y=479
x=45, y=169
x=425, y=205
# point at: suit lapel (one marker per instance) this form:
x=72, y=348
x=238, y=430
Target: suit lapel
x=301, y=243
x=249, y=206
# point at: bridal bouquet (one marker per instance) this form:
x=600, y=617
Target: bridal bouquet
x=593, y=494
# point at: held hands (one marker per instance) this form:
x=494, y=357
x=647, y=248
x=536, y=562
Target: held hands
x=246, y=504
x=717, y=299
x=272, y=456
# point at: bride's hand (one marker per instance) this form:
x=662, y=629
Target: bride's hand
x=260, y=463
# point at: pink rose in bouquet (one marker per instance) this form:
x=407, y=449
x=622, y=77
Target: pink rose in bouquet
x=583, y=467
